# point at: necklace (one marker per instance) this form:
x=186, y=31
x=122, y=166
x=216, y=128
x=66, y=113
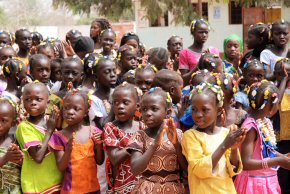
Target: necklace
x=267, y=131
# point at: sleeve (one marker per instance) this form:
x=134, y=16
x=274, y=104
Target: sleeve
x=179, y=135
x=96, y=109
x=26, y=136
x=110, y=138
x=199, y=162
x=265, y=57
x=54, y=100
x=136, y=143
x=231, y=167
x=242, y=98
x=183, y=62
x=56, y=142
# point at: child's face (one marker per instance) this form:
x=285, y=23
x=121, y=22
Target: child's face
x=48, y=52
x=132, y=42
x=55, y=72
x=108, y=40
x=95, y=29
x=124, y=104
x=253, y=41
x=153, y=110
x=175, y=45
x=177, y=92
x=281, y=35
x=201, y=33
x=204, y=110
x=4, y=39
x=144, y=80
x=129, y=60
x=6, y=54
x=255, y=73
x=74, y=109
x=279, y=74
x=233, y=49
x=7, y=116
x=41, y=71
x=72, y=72
x=25, y=40
x=106, y=75
x=35, y=99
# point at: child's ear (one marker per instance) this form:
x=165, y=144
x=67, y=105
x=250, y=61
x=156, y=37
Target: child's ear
x=138, y=106
x=171, y=90
x=168, y=113
x=220, y=110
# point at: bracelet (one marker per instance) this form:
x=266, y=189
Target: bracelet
x=265, y=163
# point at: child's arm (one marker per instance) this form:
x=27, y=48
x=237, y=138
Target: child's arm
x=98, y=148
x=252, y=164
x=139, y=161
x=12, y=155
x=63, y=156
x=172, y=136
x=38, y=152
x=116, y=155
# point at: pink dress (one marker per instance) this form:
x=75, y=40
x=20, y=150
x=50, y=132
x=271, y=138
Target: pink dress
x=257, y=181
x=188, y=59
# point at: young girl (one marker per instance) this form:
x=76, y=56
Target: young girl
x=233, y=50
x=72, y=37
x=253, y=71
x=211, y=151
x=14, y=71
x=116, y=137
x=10, y=154
x=104, y=70
x=97, y=26
x=40, y=68
x=89, y=79
x=258, y=39
x=280, y=38
x=131, y=39
x=46, y=49
x=283, y=123
x=156, y=151
x=39, y=173
x=213, y=63
x=55, y=75
x=230, y=115
x=5, y=38
x=174, y=46
x=144, y=78
x=259, y=155
x=24, y=40
x=108, y=40
x=127, y=60
x=158, y=58
x=188, y=58
x=77, y=147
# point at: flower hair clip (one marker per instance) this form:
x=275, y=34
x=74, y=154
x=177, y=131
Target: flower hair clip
x=168, y=99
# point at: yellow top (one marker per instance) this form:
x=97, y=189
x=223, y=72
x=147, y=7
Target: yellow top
x=198, y=148
x=284, y=117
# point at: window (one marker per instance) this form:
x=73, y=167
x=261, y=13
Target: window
x=160, y=21
x=204, y=9
x=235, y=13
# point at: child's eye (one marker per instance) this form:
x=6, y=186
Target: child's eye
x=155, y=109
x=126, y=102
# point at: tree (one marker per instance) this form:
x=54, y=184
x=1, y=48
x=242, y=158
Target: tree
x=181, y=9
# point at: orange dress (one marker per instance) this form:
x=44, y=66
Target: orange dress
x=81, y=173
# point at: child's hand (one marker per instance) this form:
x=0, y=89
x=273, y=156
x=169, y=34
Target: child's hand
x=68, y=48
x=14, y=154
x=171, y=131
x=284, y=161
x=235, y=137
x=70, y=86
x=160, y=137
x=97, y=137
x=53, y=118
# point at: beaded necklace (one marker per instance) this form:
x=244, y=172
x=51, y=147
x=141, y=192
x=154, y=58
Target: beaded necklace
x=267, y=132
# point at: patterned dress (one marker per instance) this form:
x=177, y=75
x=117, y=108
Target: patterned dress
x=162, y=174
x=124, y=180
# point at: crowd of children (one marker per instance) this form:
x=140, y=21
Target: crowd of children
x=85, y=115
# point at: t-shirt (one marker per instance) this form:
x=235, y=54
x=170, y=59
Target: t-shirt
x=270, y=58
x=188, y=59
